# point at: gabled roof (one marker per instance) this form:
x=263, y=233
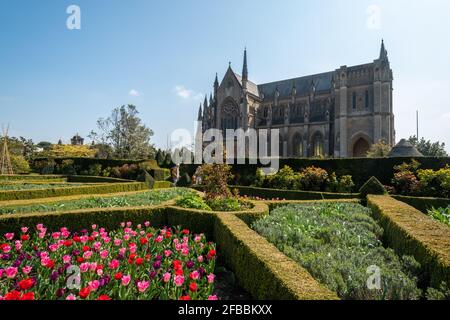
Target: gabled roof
x=251, y=86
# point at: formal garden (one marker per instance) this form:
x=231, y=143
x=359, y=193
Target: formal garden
x=317, y=229
x=97, y=222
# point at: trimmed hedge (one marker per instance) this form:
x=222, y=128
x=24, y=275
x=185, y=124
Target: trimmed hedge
x=361, y=169
x=69, y=191
x=30, y=177
x=162, y=185
x=160, y=174
x=291, y=194
x=94, y=179
x=410, y=232
x=423, y=203
x=260, y=267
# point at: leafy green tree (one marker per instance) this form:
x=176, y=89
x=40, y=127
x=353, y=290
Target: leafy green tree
x=379, y=150
x=125, y=133
x=44, y=145
x=429, y=148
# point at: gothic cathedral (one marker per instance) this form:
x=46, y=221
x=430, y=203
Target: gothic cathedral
x=333, y=114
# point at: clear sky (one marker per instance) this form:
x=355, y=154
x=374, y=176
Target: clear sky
x=162, y=56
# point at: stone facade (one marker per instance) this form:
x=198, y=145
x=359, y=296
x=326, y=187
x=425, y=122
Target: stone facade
x=333, y=114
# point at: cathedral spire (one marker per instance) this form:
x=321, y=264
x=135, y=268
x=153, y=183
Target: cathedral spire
x=200, y=113
x=245, y=71
x=383, y=51
x=216, y=86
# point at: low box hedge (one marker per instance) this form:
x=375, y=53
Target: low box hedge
x=260, y=267
x=30, y=177
x=95, y=179
x=69, y=191
x=410, y=232
x=162, y=185
x=424, y=203
x=291, y=194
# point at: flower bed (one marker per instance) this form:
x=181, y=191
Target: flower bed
x=441, y=214
x=153, y=197
x=337, y=244
x=127, y=264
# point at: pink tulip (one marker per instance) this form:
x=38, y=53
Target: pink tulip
x=67, y=258
x=71, y=297
x=94, y=285
x=147, y=223
x=126, y=280
x=213, y=298
x=117, y=242
x=9, y=236
x=26, y=269
x=97, y=246
x=18, y=245
x=11, y=272
x=166, y=277
x=94, y=226
x=211, y=278
x=200, y=259
x=114, y=264
x=24, y=229
x=87, y=255
x=159, y=239
x=179, y=280
x=143, y=285
x=194, y=275
x=104, y=254
x=6, y=248
x=167, y=253
x=84, y=267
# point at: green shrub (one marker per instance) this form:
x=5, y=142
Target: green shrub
x=228, y=204
x=441, y=214
x=312, y=178
x=44, y=167
x=215, y=177
x=193, y=201
x=435, y=183
x=345, y=184
x=95, y=169
x=19, y=164
x=337, y=244
x=442, y=293
x=372, y=186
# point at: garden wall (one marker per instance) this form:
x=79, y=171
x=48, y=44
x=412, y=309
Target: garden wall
x=408, y=231
x=424, y=203
x=70, y=191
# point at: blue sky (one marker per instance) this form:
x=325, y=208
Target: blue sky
x=162, y=57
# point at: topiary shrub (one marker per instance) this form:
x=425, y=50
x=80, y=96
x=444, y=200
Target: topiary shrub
x=147, y=178
x=372, y=186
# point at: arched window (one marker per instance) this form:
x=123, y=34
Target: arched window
x=297, y=145
x=318, y=145
x=354, y=101
x=367, y=99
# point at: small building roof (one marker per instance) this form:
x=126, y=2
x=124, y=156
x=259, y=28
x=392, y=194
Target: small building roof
x=404, y=149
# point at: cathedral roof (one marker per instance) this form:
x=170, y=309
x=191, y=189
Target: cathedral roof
x=302, y=85
x=251, y=86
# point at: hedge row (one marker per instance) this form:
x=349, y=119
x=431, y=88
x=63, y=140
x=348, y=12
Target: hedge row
x=408, y=231
x=69, y=191
x=95, y=179
x=361, y=169
x=30, y=177
x=162, y=185
x=260, y=268
x=291, y=194
x=423, y=204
